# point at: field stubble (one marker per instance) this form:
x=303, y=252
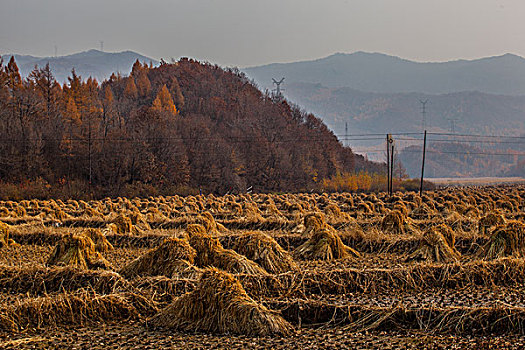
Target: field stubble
x=354, y=276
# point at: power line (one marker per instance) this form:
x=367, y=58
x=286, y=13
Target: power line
x=465, y=141
x=477, y=135
x=469, y=153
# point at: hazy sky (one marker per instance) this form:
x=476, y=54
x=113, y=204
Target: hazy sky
x=253, y=32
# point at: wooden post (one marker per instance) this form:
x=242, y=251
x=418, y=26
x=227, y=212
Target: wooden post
x=392, y=169
x=423, y=164
x=388, y=163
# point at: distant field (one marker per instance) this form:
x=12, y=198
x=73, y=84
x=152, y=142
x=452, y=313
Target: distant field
x=476, y=180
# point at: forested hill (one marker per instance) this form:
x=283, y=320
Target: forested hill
x=174, y=128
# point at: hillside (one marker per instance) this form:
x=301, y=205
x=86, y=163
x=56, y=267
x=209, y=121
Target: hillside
x=170, y=129
x=452, y=159
x=365, y=112
x=93, y=63
x=375, y=72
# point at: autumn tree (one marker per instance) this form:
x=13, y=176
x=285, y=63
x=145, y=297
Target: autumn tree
x=131, y=91
x=163, y=102
x=177, y=93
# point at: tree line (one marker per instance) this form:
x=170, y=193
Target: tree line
x=177, y=128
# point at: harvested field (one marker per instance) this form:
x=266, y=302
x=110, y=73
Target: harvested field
x=445, y=271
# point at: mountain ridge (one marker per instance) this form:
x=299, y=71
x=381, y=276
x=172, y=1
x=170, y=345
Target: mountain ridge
x=378, y=72
x=91, y=63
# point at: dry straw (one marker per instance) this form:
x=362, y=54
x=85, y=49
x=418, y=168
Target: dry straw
x=78, y=251
x=506, y=240
x=489, y=221
x=4, y=235
x=324, y=242
x=174, y=257
x=79, y=309
x=210, y=252
x=436, y=245
x=122, y=225
x=265, y=251
x=41, y=281
x=219, y=304
x=394, y=222
x=101, y=242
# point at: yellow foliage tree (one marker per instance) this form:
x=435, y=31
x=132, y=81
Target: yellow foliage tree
x=143, y=84
x=72, y=113
x=130, y=91
x=164, y=102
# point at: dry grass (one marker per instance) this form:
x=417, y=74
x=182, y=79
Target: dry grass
x=219, y=304
x=500, y=319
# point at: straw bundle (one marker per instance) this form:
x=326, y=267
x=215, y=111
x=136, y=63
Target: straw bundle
x=174, y=257
x=210, y=252
x=489, y=221
x=101, y=242
x=265, y=251
x=434, y=247
x=77, y=251
x=506, y=240
x=122, y=225
x=139, y=221
x=220, y=304
x=324, y=244
x=313, y=222
x=394, y=222
x=208, y=221
x=4, y=235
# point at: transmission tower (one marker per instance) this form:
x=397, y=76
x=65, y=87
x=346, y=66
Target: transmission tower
x=346, y=134
x=423, y=114
x=452, y=124
x=278, y=91
x=101, y=45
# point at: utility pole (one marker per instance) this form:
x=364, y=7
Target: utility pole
x=89, y=151
x=423, y=114
x=389, y=162
x=388, y=136
x=392, y=169
x=423, y=164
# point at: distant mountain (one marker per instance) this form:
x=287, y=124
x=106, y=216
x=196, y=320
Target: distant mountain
x=375, y=72
x=94, y=63
x=366, y=112
x=452, y=159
